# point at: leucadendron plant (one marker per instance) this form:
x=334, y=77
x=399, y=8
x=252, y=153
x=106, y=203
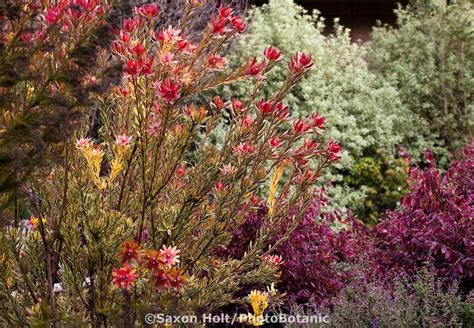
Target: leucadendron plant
x=132, y=220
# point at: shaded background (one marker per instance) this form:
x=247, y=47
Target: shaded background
x=358, y=15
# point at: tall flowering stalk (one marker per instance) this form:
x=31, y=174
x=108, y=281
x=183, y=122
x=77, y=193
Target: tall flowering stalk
x=152, y=198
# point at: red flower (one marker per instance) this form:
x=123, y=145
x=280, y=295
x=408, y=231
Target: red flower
x=217, y=25
x=52, y=15
x=333, y=151
x=129, y=25
x=154, y=260
x=219, y=186
x=130, y=251
x=255, y=69
x=149, y=10
x=238, y=23
x=300, y=63
x=162, y=280
x=216, y=62
x=318, y=121
x=176, y=279
x=275, y=142
x=168, y=90
x=273, y=54
x=217, y=103
x=124, y=277
x=281, y=111
x=300, y=126
x=265, y=106
x=225, y=12
x=139, y=67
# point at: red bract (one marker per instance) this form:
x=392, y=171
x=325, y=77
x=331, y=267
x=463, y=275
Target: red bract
x=300, y=63
x=434, y=225
x=168, y=90
x=273, y=54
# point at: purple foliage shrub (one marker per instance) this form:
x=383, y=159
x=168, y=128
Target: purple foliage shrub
x=434, y=225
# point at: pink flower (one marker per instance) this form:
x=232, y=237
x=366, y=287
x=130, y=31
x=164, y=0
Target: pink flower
x=124, y=277
x=238, y=23
x=170, y=35
x=237, y=105
x=83, y=142
x=273, y=259
x=168, y=90
x=301, y=63
x=273, y=54
x=247, y=121
x=244, y=149
x=265, y=106
x=255, y=69
x=228, y=169
x=170, y=255
x=216, y=62
x=123, y=140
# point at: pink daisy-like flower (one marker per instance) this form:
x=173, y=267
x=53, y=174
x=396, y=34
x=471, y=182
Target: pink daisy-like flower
x=123, y=140
x=83, y=142
x=170, y=255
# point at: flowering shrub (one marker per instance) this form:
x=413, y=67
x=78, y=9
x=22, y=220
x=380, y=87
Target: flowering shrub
x=364, y=112
x=130, y=221
x=434, y=225
x=49, y=71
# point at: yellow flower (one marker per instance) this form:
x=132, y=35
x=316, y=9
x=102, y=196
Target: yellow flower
x=259, y=302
